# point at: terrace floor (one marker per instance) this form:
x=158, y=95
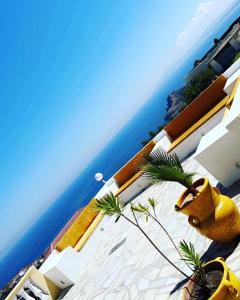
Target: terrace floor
x=126, y=266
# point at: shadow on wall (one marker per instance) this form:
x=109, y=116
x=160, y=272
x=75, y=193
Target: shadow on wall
x=215, y=250
x=231, y=191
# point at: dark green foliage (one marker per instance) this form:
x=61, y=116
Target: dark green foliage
x=190, y=92
x=160, y=167
x=152, y=134
x=198, y=85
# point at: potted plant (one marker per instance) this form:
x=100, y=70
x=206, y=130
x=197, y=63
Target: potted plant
x=214, y=215
x=202, y=285
x=218, y=281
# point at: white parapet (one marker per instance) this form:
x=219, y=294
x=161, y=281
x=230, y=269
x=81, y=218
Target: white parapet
x=62, y=268
x=134, y=189
x=219, y=150
x=65, y=268
x=232, y=121
x=232, y=69
x=219, y=153
x=190, y=143
x=159, y=136
x=110, y=186
x=163, y=143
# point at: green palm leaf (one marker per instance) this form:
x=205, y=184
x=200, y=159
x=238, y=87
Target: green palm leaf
x=109, y=205
x=160, y=167
x=191, y=257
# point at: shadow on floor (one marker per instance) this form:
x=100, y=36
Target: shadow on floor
x=231, y=191
x=215, y=249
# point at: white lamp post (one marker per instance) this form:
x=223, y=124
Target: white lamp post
x=99, y=177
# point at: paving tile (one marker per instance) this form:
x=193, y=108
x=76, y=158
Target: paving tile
x=136, y=270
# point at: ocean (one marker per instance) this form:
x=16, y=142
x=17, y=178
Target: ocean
x=110, y=159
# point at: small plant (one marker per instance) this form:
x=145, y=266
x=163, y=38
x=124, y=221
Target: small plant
x=192, y=258
x=110, y=205
x=160, y=167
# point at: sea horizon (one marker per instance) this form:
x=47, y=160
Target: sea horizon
x=116, y=153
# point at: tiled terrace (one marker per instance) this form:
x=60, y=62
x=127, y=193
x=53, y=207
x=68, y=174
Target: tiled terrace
x=134, y=270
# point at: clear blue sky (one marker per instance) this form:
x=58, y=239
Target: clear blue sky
x=72, y=73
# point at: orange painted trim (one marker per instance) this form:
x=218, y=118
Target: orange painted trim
x=199, y=123
x=130, y=168
x=206, y=101
x=129, y=182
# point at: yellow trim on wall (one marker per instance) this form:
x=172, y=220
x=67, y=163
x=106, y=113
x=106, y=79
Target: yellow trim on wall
x=79, y=227
x=129, y=182
x=199, y=123
x=89, y=232
x=197, y=109
x=229, y=103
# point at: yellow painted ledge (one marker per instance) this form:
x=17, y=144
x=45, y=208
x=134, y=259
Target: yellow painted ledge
x=89, y=232
x=199, y=123
x=79, y=227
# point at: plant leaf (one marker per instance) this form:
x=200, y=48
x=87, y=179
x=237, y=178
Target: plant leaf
x=109, y=205
x=159, y=167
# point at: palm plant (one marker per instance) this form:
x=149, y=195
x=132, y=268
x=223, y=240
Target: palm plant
x=110, y=205
x=192, y=258
x=160, y=167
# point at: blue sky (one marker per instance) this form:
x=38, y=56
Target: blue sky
x=72, y=74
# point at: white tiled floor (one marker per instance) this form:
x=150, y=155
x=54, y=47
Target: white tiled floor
x=135, y=270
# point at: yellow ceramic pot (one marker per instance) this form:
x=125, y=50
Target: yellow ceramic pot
x=211, y=213
x=229, y=288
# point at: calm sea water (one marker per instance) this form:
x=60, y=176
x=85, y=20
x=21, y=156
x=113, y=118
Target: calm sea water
x=116, y=153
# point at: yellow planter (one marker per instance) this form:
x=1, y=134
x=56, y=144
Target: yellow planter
x=229, y=288
x=211, y=213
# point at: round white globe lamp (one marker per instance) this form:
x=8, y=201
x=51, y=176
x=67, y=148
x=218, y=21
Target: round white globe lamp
x=99, y=177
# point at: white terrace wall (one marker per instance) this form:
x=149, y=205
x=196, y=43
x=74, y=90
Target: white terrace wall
x=232, y=69
x=190, y=144
x=134, y=189
x=62, y=268
x=219, y=150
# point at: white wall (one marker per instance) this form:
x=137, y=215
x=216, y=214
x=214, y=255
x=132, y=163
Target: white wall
x=164, y=143
x=230, y=83
x=232, y=69
x=219, y=150
x=159, y=136
x=61, y=268
x=232, y=121
x=191, y=143
x=110, y=186
x=134, y=189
